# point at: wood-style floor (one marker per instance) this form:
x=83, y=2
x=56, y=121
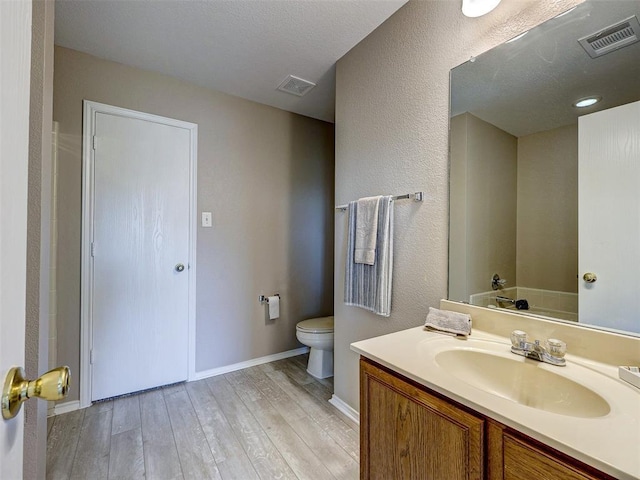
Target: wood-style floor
x=270, y=421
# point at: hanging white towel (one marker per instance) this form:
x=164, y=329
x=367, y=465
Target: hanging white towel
x=369, y=286
x=366, y=229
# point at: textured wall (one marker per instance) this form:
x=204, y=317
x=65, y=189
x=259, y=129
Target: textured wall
x=391, y=137
x=548, y=210
x=483, y=225
x=267, y=176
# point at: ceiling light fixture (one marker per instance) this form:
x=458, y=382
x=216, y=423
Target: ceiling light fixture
x=587, y=101
x=477, y=8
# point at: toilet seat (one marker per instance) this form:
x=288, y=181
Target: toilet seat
x=316, y=325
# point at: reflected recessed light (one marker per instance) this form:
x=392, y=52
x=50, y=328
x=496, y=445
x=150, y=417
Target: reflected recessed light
x=587, y=101
x=477, y=8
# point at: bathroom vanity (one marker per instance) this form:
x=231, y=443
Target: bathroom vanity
x=526, y=182
x=409, y=431
x=439, y=407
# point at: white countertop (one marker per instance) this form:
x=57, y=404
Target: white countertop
x=610, y=443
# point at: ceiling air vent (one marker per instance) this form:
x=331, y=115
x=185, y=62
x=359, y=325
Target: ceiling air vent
x=612, y=38
x=296, y=86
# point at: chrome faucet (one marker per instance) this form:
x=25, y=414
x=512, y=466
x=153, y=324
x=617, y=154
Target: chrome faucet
x=519, y=304
x=553, y=353
x=505, y=300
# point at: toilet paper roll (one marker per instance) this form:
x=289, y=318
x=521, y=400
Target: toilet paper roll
x=274, y=307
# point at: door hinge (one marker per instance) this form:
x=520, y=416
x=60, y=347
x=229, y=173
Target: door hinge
x=94, y=142
x=93, y=249
x=91, y=357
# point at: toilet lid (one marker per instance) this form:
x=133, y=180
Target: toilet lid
x=316, y=325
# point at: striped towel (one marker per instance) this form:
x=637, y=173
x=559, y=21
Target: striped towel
x=369, y=286
x=366, y=230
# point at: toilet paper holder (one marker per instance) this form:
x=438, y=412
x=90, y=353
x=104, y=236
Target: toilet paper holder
x=263, y=299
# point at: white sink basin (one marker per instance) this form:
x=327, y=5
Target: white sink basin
x=525, y=382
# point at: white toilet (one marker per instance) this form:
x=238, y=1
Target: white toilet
x=317, y=333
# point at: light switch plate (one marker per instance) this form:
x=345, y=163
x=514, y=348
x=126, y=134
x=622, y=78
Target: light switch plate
x=207, y=220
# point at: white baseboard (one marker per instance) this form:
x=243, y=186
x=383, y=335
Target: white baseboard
x=249, y=363
x=345, y=408
x=66, y=407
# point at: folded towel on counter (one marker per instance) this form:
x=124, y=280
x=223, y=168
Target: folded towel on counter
x=369, y=286
x=449, y=322
x=366, y=229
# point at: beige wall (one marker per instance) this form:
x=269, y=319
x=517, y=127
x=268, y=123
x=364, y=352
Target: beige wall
x=391, y=137
x=483, y=204
x=486, y=165
x=267, y=176
x=548, y=210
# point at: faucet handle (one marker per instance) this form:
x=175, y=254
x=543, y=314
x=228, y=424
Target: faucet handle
x=556, y=348
x=518, y=337
x=497, y=283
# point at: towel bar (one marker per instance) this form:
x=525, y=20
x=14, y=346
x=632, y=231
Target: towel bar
x=418, y=197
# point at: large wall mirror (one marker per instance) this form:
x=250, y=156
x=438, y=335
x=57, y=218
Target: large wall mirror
x=545, y=195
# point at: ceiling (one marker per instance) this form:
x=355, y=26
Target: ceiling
x=240, y=47
x=529, y=85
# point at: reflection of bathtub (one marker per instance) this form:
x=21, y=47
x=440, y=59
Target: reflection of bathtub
x=542, y=303
x=542, y=312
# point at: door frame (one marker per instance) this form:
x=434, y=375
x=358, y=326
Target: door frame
x=90, y=109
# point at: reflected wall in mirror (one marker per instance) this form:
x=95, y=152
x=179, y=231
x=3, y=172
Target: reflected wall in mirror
x=543, y=193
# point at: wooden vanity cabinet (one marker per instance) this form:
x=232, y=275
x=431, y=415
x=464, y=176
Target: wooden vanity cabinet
x=515, y=456
x=410, y=432
x=407, y=433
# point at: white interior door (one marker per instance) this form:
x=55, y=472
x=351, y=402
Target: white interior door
x=15, y=38
x=141, y=227
x=609, y=217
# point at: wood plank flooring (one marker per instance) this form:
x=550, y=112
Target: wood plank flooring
x=271, y=421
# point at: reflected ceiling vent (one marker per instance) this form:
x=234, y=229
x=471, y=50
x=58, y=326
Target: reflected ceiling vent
x=612, y=38
x=296, y=85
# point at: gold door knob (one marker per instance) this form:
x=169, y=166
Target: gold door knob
x=589, y=277
x=53, y=385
